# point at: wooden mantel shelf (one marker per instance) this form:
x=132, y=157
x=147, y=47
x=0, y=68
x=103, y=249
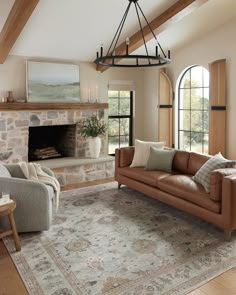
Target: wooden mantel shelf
x=21, y=106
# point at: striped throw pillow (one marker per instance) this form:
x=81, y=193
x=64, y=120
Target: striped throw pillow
x=216, y=162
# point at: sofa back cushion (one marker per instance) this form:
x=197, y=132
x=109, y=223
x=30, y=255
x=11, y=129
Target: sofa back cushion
x=4, y=172
x=180, y=161
x=196, y=161
x=15, y=170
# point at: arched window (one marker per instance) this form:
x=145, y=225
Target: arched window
x=193, y=110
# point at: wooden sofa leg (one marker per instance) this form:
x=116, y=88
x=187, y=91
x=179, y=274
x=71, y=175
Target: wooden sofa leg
x=119, y=185
x=227, y=234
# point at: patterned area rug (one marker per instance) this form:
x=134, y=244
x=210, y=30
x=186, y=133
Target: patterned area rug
x=109, y=241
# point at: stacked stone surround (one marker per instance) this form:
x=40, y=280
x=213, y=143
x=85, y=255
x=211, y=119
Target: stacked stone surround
x=14, y=131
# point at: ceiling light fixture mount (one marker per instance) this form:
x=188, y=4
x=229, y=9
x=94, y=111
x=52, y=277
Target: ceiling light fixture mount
x=111, y=59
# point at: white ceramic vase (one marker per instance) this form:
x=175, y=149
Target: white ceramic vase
x=94, y=146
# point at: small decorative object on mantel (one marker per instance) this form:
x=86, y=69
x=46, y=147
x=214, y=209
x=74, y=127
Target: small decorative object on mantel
x=91, y=128
x=3, y=99
x=10, y=97
x=21, y=100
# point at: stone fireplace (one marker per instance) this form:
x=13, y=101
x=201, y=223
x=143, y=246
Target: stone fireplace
x=18, y=120
x=16, y=128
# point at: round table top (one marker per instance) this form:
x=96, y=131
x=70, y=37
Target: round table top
x=8, y=207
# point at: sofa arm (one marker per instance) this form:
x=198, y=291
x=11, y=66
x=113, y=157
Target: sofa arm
x=33, y=203
x=217, y=177
x=229, y=200
x=124, y=156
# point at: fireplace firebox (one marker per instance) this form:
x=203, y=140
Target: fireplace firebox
x=47, y=142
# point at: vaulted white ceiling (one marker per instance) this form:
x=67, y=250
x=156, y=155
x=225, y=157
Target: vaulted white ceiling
x=73, y=29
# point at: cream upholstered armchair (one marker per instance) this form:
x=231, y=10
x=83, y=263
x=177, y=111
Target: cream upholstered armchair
x=34, y=200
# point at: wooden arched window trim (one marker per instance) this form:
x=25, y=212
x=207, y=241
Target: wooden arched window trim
x=217, y=124
x=165, y=110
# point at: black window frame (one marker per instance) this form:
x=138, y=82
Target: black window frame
x=190, y=108
x=130, y=117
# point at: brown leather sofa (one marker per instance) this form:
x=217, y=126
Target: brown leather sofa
x=178, y=189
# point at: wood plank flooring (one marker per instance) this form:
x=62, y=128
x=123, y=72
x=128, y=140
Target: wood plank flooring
x=11, y=283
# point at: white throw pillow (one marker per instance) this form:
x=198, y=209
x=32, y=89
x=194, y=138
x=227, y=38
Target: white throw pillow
x=203, y=174
x=142, y=151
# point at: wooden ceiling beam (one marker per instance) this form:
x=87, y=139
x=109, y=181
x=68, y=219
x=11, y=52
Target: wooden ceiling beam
x=16, y=20
x=173, y=14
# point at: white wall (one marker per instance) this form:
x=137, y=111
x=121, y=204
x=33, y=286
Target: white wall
x=218, y=44
x=13, y=77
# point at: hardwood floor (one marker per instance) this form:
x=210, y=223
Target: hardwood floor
x=11, y=283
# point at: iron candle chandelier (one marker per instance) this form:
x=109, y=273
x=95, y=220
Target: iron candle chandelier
x=111, y=59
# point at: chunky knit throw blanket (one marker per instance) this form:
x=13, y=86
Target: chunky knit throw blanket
x=33, y=171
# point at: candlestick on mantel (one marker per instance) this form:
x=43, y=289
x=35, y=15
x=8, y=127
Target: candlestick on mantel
x=89, y=94
x=96, y=93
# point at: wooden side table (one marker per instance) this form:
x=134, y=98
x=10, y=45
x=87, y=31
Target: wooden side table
x=7, y=209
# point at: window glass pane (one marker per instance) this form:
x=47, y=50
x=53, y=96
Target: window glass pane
x=184, y=120
x=205, y=143
x=206, y=98
x=113, y=106
x=124, y=141
x=184, y=140
x=124, y=94
x=196, y=77
x=113, y=127
x=196, y=141
x=196, y=121
x=196, y=99
x=124, y=126
x=185, y=82
x=112, y=93
x=124, y=106
x=184, y=100
x=205, y=119
x=113, y=143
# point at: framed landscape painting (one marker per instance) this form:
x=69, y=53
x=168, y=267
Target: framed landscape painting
x=52, y=82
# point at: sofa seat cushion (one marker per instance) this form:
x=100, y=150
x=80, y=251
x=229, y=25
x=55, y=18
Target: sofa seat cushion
x=139, y=174
x=184, y=187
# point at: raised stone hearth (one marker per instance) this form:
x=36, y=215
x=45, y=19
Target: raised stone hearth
x=71, y=170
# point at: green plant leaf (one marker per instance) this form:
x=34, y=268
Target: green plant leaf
x=93, y=127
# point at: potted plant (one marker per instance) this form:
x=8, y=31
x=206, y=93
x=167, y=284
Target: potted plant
x=91, y=128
